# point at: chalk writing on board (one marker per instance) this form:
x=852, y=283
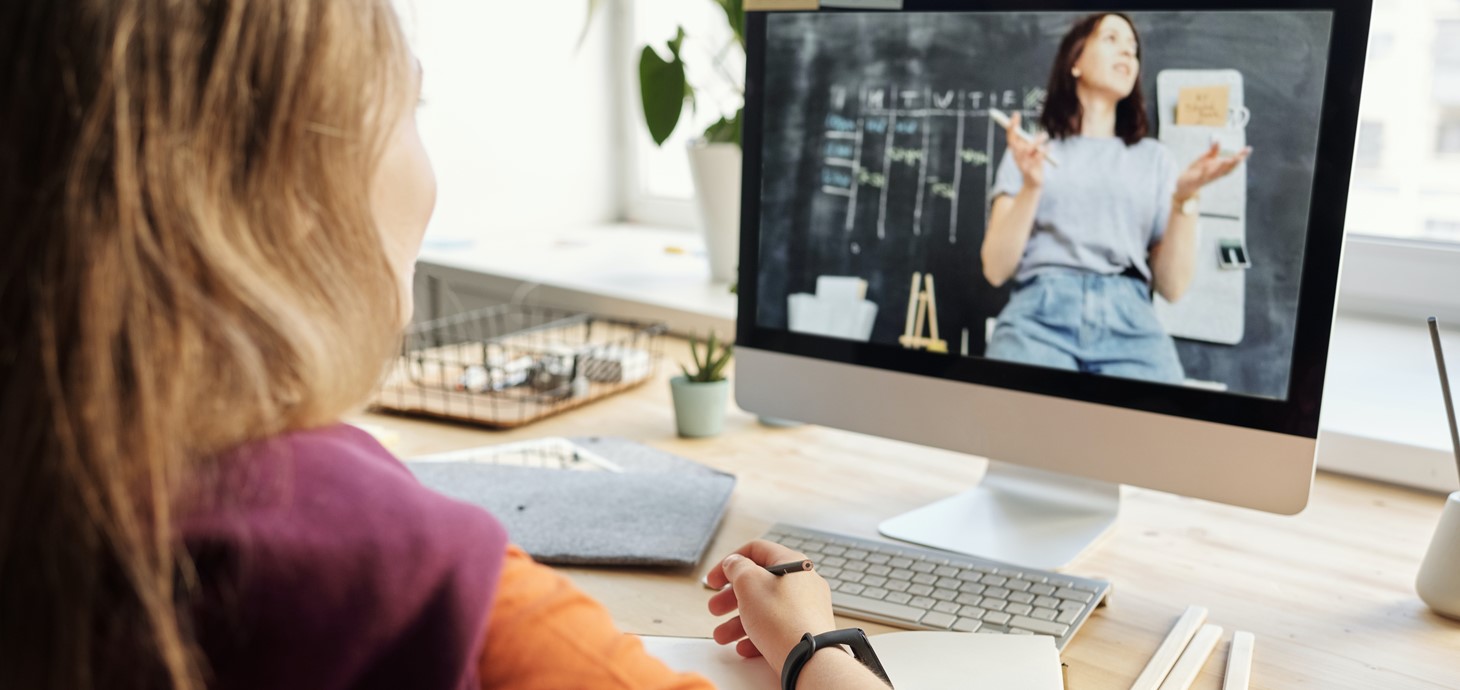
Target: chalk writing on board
x=875, y=132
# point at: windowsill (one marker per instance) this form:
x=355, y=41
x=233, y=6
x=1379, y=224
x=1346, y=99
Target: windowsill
x=1383, y=417
x=621, y=270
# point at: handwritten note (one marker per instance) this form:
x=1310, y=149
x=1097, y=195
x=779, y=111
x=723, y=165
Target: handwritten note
x=1203, y=105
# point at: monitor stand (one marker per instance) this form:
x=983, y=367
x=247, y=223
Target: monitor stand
x=1017, y=515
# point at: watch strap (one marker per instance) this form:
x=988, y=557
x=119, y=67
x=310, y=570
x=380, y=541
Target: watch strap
x=854, y=638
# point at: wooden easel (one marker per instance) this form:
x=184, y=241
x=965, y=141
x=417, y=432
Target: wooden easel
x=921, y=302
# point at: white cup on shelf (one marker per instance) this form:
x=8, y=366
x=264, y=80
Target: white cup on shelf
x=1438, y=583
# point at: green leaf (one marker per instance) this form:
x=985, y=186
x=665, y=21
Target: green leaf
x=725, y=130
x=662, y=87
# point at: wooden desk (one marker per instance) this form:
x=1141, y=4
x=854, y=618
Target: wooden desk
x=1329, y=593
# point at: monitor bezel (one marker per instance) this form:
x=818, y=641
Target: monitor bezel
x=1296, y=415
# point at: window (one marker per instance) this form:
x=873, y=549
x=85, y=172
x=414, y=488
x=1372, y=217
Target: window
x=660, y=189
x=1370, y=151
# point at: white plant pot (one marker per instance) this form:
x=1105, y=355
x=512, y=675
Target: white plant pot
x=716, y=172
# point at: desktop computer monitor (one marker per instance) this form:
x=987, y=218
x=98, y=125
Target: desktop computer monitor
x=1140, y=299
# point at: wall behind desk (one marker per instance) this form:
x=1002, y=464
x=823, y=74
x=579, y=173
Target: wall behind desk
x=916, y=200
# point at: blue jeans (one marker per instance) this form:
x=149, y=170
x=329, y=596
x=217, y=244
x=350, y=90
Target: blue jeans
x=1087, y=322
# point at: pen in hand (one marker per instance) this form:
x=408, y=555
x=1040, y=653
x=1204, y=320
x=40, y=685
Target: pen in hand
x=792, y=567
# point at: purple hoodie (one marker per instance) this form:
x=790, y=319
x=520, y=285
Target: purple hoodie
x=324, y=564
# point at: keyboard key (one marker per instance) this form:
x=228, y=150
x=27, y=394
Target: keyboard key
x=834, y=550
x=1018, y=609
x=897, y=585
x=812, y=545
x=973, y=587
x=993, y=604
x=922, y=603
x=856, y=566
x=948, y=582
x=900, y=562
x=923, y=567
x=1044, y=614
x=878, y=593
x=1090, y=587
x=833, y=561
x=878, y=558
x=1047, y=602
x=1039, y=626
x=829, y=573
x=873, y=580
x=944, y=594
x=1073, y=594
x=1016, y=597
x=789, y=542
x=973, y=576
x=972, y=612
x=900, y=574
x=1068, y=617
x=945, y=571
x=857, y=554
x=996, y=617
x=921, y=590
x=899, y=597
x=967, y=625
x=994, y=580
x=946, y=607
x=987, y=569
x=851, y=587
x=937, y=619
x=997, y=593
x=969, y=599
x=884, y=609
x=991, y=629
x=851, y=577
x=1071, y=606
x=1042, y=590
x=924, y=578
x=1017, y=631
x=878, y=570
x=1018, y=585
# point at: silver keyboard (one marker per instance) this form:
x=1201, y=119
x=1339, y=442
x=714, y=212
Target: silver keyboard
x=926, y=589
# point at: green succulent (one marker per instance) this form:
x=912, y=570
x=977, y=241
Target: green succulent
x=710, y=367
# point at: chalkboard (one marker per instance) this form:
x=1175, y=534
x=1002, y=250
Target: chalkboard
x=879, y=150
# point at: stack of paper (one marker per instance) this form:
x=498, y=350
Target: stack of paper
x=839, y=309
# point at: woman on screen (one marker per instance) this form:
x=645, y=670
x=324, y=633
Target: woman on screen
x=1086, y=238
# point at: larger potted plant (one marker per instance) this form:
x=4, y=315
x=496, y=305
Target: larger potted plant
x=714, y=157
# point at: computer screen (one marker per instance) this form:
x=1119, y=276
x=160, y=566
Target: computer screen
x=1157, y=229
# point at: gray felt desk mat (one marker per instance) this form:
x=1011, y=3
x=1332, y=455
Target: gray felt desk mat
x=661, y=510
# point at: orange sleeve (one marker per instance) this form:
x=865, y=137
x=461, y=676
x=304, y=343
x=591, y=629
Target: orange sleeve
x=545, y=634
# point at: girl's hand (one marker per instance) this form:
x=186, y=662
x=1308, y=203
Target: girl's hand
x=1210, y=167
x=1028, y=155
x=774, y=611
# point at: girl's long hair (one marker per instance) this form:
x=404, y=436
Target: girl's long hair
x=190, y=262
x=1063, y=113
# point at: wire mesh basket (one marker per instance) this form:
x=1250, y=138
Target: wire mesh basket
x=505, y=366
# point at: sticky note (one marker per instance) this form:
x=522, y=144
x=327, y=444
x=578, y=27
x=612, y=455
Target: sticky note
x=1203, y=105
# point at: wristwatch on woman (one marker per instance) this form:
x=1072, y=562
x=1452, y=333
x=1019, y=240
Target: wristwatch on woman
x=853, y=638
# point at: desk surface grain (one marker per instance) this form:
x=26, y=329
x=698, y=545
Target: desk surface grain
x=1328, y=593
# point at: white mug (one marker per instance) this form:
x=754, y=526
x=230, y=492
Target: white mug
x=1439, y=576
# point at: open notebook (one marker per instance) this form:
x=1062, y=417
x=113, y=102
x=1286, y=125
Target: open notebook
x=915, y=660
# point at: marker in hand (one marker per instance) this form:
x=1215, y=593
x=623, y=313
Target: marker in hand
x=1002, y=119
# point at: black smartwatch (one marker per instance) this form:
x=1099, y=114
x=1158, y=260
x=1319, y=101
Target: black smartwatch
x=853, y=638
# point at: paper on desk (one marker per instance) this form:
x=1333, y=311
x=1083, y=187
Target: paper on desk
x=915, y=660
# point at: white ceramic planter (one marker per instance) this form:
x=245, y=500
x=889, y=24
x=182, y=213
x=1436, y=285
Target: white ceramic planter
x=716, y=172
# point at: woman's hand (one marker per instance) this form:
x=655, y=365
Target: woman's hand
x=774, y=611
x=1212, y=166
x=1028, y=155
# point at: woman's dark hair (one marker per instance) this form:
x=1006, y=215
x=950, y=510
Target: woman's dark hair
x=1062, y=112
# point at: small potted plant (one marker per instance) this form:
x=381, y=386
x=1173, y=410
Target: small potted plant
x=700, y=395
